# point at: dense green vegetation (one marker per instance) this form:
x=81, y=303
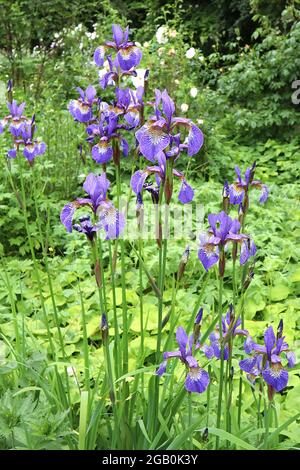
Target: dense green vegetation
x=229, y=66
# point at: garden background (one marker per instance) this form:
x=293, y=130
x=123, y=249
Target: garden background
x=230, y=67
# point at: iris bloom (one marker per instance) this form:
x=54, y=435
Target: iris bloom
x=223, y=230
x=241, y=186
x=138, y=179
x=197, y=379
x=111, y=75
x=15, y=118
x=127, y=54
x=31, y=147
x=110, y=219
x=266, y=360
x=87, y=227
x=82, y=108
x=158, y=133
x=230, y=329
x=106, y=131
x=128, y=104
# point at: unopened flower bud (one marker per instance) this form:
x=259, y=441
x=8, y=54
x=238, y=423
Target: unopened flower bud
x=280, y=329
x=197, y=325
x=140, y=211
x=252, y=171
x=168, y=188
x=9, y=90
x=222, y=264
x=183, y=262
x=205, y=435
x=199, y=316
x=248, y=280
x=241, y=214
x=226, y=200
x=234, y=251
x=104, y=328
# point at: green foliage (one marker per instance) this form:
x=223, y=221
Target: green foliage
x=244, y=58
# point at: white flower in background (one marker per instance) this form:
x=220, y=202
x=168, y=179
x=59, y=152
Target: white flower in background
x=201, y=58
x=162, y=62
x=139, y=79
x=138, y=44
x=200, y=121
x=93, y=35
x=160, y=51
x=172, y=33
x=190, y=53
x=146, y=44
x=193, y=92
x=106, y=66
x=184, y=107
x=70, y=371
x=176, y=81
x=161, y=35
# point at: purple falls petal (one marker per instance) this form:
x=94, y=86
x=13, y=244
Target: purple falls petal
x=102, y=152
x=182, y=340
x=99, y=56
x=291, y=357
x=162, y=368
x=137, y=181
x=276, y=376
x=152, y=141
x=66, y=215
x=247, y=365
x=208, y=259
x=186, y=193
x=197, y=380
x=195, y=140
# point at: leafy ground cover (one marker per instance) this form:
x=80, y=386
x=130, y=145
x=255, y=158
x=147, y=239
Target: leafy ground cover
x=57, y=391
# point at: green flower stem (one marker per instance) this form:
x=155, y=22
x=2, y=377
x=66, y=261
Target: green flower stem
x=45, y=259
x=241, y=372
x=219, y=408
x=85, y=344
x=117, y=351
x=125, y=389
x=19, y=349
x=65, y=400
x=208, y=398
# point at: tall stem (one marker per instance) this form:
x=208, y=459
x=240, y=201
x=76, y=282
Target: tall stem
x=219, y=408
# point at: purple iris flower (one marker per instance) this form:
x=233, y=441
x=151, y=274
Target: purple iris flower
x=230, y=329
x=110, y=219
x=85, y=226
x=127, y=54
x=128, y=105
x=157, y=134
x=82, y=108
x=15, y=118
x=105, y=132
x=222, y=230
x=240, y=187
x=138, y=179
x=31, y=147
x=266, y=360
x=111, y=77
x=197, y=379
